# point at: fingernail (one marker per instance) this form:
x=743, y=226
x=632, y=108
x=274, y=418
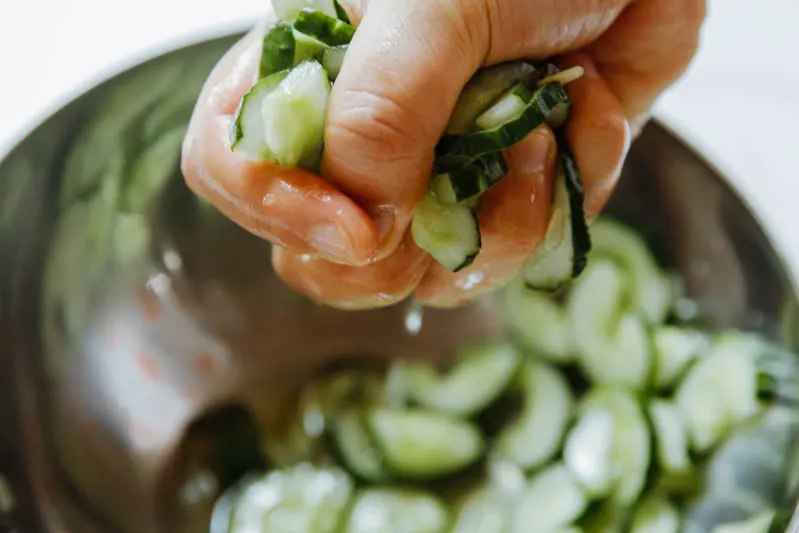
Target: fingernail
x=330, y=240
x=384, y=224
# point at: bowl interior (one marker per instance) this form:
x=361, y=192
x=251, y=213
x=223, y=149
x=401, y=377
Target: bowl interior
x=129, y=310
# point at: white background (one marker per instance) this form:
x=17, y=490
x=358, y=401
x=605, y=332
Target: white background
x=739, y=103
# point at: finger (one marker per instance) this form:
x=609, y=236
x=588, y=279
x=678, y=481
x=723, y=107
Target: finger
x=291, y=208
x=540, y=30
x=647, y=49
x=377, y=285
x=597, y=132
x=390, y=104
x=513, y=215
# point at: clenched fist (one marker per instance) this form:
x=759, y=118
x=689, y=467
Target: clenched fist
x=343, y=238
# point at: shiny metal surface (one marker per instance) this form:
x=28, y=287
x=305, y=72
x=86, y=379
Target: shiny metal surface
x=128, y=309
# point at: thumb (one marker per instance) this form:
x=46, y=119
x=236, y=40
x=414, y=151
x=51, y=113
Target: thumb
x=402, y=76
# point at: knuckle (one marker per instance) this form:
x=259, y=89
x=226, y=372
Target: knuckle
x=376, y=125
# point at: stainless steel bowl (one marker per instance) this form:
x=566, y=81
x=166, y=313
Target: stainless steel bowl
x=129, y=310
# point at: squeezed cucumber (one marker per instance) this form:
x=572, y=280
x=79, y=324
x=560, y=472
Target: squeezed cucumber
x=536, y=435
x=418, y=444
x=397, y=511
x=481, y=373
x=719, y=392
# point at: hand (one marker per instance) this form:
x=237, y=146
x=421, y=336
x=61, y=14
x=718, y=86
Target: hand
x=344, y=239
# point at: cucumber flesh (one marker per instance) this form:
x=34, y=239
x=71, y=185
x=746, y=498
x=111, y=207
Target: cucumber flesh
x=290, y=9
x=540, y=324
x=562, y=255
x=248, y=131
x=333, y=59
x=482, y=372
x=454, y=149
x=670, y=436
x=294, y=116
x=298, y=499
x=419, y=445
x=588, y=452
x=651, y=291
x=484, y=88
x=482, y=512
x=552, y=500
x=389, y=510
x=461, y=184
x=448, y=233
x=613, y=345
x=324, y=28
x=355, y=447
x=507, y=108
x=675, y=348
x=536, y=435
x=719, y=392
x=655, y=515
x=609, y=449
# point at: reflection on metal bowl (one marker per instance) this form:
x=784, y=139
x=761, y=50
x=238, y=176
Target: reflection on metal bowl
x=132, y=315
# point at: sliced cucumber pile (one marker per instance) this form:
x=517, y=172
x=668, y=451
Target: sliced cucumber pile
x=281, y=119
x=599, y=412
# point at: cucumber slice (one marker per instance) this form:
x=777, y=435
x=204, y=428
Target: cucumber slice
x=552, y=500
x=715, y=510
x=356, y=449
x=613, y=345
x=340, y=12
x=755, y=460
x=277, y=50
x=223, y=512
x=481, y=373
x=333, y=59
x=459, y=185
x=509, y=107
x=421, y=445
x=321, y=404
x=283, y=48
x=720, y=391
x=484, y=88
x=248, y=132
x=670, y=436
x=651, y=291
x=588, y=452
x=324, y=28
x=299, y=499
x=560, y=115
x=562, y=255
x=655, y=515
x=336, y=393
x=468, y=146
x=536, y=436
x=675, y=349
x=609, y=449
x=391, y=510
x=290, y=9
x=449, y=233
x=482, y=512
x=760, y=523
x=294, y=115
x=540, y=324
